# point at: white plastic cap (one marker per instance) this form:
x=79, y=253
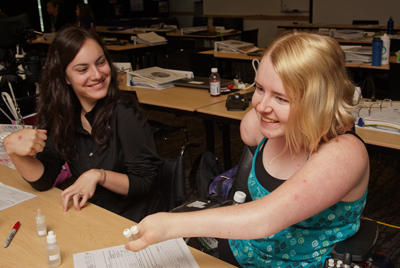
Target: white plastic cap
x=51, y=237
x=214, y=70
x=127, y=233
x=134, y=229
x=40, y=219
x=239, y=197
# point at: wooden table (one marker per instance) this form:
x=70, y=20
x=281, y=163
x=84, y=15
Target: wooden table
x=219, y=113
x=92, y=228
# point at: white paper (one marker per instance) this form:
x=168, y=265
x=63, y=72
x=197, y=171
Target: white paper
x=172, y=253
x=10, y=196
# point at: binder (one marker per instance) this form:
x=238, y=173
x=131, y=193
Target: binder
x=385, y=118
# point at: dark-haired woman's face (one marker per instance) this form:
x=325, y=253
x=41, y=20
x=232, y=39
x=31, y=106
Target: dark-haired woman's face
x=77, y=11
x=89, y=74
x=51, y=9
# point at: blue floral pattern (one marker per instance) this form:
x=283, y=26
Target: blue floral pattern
x=305, y=244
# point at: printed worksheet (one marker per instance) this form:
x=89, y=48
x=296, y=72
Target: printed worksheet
x=10, y=196
x=172, y=253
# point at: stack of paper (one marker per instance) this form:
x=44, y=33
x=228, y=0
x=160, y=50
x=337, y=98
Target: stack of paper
x=154, y=77
x=234, y=46
x=357, y=54
x=151, y=39
x=194, y=29
x=347, y=34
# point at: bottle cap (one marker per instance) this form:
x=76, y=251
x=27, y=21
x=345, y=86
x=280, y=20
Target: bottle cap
x=239, y=197
x=127, y=233
x=134, y=229
x=40, y=219
x=214, y=70
x=51, y=237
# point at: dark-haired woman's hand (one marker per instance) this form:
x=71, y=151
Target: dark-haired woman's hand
x=25, y=142
x=82, y=190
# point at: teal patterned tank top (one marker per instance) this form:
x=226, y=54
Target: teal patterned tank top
x=305, y=244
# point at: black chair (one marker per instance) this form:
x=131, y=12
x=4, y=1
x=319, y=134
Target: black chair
x=171, y=178
x=229, y=23
x=161, y=131
x=250, y=36
x=201, y=64
x=394, y=81
x=200, y=21
x=218, y=21
x=359, y=247
x=365, y=22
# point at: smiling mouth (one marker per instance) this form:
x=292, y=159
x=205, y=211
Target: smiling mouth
x=268, y=120
x=95, y=86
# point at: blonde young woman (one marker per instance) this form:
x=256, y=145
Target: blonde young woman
x=310, y=173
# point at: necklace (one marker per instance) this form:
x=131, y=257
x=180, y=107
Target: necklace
x=279, y=155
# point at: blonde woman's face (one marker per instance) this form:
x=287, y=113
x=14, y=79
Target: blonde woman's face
x=270, y=101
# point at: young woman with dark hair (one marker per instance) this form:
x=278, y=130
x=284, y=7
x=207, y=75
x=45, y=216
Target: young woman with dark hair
x=85, y=120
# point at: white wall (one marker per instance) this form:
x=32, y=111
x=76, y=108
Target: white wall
x=267, y=28
x=345, y=11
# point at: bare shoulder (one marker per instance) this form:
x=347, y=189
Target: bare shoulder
x=250, y=129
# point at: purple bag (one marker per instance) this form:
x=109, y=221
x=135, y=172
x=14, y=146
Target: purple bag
x=222, y=184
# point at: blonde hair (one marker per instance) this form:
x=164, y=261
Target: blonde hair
x=313, y=72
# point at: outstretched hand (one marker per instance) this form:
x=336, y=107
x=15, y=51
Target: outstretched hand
x=154, y=229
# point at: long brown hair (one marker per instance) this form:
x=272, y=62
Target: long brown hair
x=58, y=107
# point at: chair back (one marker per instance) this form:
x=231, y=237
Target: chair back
x=171, y=179
x=250, y=36
x=360, y=246
x=365, y=22
x=201, y=64
x=200, y=21
x=229, y=23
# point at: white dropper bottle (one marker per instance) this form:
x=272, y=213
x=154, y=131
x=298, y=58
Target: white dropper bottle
x=239, y=198
x=41, y=227
x=136, y=234
x=53, y=250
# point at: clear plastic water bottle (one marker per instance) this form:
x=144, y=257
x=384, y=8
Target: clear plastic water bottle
x=390, y=26
x=377, y=45
x=215, y=84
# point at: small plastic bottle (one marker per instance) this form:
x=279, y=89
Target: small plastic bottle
x=135, y=233
x=52, y=250
x=377, y=51
x=92, y=28
x=215, y=84
x=385, y=49
x=239, y=198
x=390, y=25
x=128, y=234
x=41, y=227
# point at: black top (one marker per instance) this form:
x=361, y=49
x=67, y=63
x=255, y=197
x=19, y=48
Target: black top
x=131, y=151
x=269, y=182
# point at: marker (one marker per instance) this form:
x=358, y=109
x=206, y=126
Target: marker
x=12, y=233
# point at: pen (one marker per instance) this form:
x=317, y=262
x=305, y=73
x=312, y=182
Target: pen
x=12, y=233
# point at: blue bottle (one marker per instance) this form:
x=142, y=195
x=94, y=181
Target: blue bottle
x=390, y=26
x=377, y=44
